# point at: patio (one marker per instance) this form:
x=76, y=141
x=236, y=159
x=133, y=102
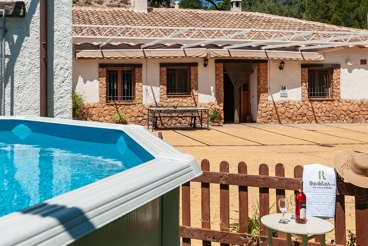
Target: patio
x=255, y=144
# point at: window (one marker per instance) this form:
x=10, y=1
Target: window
x=120, y=84
x=320, y=83
x=177, y=80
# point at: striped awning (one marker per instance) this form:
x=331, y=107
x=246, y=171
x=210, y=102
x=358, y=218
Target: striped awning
x=292, y=55
x=109, y=54
x=184, y=53
x=139, y=53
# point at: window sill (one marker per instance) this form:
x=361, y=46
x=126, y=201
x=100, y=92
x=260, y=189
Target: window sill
x=322, y=99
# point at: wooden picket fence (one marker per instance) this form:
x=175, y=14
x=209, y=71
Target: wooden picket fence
x=264, y=183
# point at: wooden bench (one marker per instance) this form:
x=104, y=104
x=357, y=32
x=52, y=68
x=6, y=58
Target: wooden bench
x=194, y=113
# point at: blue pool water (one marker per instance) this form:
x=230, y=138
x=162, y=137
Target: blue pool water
x=39, y=161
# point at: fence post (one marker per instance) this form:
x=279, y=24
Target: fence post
x=243, y=201
x=340, y=220
x=264, y=198
x=205, y=201
x=224, y=201
x=361, y=215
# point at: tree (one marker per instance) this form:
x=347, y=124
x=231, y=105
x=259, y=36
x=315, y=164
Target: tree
x=217, y=4
x=248, y=5
x=159, y=3
x=349, y=13
x=191, y=4
x=289, y=8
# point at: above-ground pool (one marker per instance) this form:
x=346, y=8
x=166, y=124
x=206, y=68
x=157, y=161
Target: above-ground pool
x=38, y=166
x=62, y=179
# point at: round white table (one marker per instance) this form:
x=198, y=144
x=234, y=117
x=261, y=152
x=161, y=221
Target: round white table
x=314, y=227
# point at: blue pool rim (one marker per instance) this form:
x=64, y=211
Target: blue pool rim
x=64, y=219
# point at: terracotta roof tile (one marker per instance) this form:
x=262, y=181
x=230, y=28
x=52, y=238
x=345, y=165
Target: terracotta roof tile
x=167, y=17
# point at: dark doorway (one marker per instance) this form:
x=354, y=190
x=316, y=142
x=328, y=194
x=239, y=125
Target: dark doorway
x=228, y=100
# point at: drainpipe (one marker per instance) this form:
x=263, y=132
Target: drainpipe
x=43, y=58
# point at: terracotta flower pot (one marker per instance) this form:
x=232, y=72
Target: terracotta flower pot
x=215, y=122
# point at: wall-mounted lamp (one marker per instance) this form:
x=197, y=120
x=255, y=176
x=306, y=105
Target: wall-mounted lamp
x=349, y=62
x=205, y=62
x=282, y=65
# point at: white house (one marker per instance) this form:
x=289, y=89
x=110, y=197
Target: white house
x=20, y=57
x=251, y=66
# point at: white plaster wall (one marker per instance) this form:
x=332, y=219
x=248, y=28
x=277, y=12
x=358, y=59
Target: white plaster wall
x=151, y=81
x=85, y=78
x=290, y=76
x=60, y=58
x=253, y=95
x=206, y=81
x=354, y=78
x=22, y=61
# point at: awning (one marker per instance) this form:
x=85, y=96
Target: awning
x=112, y=54
x=195, y=52
x=312, y=56
x=218, y=53
x=164, y=53
x=174, y=53
x=249, y=54
x=88, y=54
x=138, y=53
x=123, y=54
x=284, y=55
x=292, y=55
x=210, y=53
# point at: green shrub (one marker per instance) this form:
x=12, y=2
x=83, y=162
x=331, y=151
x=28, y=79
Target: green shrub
x=120, y=118
x=215, y=115
x=77, y=101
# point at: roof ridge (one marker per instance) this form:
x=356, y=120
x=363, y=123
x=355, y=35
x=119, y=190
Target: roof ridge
x=172, y=17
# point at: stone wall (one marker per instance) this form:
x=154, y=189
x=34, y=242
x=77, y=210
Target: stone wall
x=135, y=111
x=104, y=112
x=334, y=110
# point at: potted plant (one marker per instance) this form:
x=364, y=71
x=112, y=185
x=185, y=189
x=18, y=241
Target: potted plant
x=120, y=118
x=175, y=105
x=77, y=101
x=215, y=116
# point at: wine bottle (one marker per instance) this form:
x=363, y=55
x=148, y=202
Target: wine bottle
x=300, y=206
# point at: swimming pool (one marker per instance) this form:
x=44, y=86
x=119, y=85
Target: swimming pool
x=40, y=166
x=140, y=168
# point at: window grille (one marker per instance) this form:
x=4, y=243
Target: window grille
x=177, y=81
x=120, y=85
x=320, y=83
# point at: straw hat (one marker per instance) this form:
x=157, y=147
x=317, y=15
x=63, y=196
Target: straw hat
x=353, y=167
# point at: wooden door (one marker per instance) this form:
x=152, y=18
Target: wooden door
x=245, y=102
